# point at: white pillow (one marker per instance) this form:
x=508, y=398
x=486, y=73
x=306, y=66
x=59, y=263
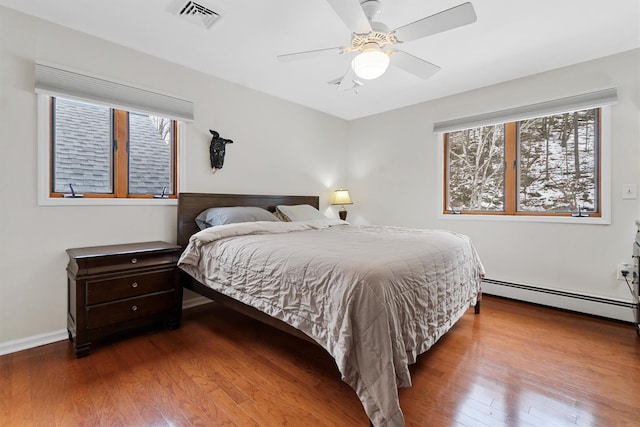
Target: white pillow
x=298, y=213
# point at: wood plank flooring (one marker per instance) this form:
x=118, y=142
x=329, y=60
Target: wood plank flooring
x=512, y=365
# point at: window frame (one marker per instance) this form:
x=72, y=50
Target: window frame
x=46, y=197
x=604, y=182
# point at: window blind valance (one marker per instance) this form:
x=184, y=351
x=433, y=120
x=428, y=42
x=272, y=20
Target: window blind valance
x=585, y=101
x=54, y=81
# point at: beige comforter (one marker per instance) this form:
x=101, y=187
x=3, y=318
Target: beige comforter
x=374, y=297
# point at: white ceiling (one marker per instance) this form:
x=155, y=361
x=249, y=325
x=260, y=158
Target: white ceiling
x=511, y=39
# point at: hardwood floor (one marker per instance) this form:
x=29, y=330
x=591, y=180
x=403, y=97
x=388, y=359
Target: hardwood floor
x=512, y=365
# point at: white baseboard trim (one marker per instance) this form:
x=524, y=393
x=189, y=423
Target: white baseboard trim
x=55, y=336
x=32, y=341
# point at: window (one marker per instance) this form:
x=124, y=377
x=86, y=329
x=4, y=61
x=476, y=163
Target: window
x=97, y=151
x=112, y=142
x=549, y=165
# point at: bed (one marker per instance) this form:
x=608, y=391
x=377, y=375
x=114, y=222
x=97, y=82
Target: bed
x=373, y=297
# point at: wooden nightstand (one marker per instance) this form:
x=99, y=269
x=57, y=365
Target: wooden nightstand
x=117, y=288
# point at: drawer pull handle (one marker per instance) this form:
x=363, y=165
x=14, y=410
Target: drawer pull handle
x=134, y=307
x=134, y=285
x=134, y=260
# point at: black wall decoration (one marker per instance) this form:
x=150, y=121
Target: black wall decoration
x=217, y=150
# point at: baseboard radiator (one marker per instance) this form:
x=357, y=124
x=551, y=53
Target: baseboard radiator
x=562, y=293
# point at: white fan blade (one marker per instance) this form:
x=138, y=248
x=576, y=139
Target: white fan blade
x=457, y=16
x=332, y=51
x=348, y=81
x=413, y=64
x=352, y=15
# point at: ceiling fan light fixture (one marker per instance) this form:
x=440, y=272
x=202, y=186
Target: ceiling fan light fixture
x=371, y=63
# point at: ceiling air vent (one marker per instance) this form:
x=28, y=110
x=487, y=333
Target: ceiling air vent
x=195, y=13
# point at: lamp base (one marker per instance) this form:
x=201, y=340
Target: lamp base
x=342, y=214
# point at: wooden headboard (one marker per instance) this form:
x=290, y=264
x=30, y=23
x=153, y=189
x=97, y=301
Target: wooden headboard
x=191, y=204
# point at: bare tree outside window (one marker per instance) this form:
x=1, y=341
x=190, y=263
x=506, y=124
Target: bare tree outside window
x=476, y=169
x=163, y=126
x=558, y=162
x=546, y=165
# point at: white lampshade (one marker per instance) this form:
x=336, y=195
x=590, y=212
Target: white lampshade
x=371, y=63
x=341, y=197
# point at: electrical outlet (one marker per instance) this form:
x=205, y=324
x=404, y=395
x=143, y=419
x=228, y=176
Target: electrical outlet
x=623, y=266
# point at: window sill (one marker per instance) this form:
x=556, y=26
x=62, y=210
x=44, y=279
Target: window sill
x=604, y=220
x=58, y=201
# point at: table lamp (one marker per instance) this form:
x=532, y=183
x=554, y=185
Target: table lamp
x=341, y=197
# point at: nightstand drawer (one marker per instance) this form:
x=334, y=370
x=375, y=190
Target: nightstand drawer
x=105, y=290
x=126, y=262
x=132, y=308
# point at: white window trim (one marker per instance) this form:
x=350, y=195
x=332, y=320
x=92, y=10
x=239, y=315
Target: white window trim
x=605, y=187
x=44, y=169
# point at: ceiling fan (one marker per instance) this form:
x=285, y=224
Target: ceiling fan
x=376, y=46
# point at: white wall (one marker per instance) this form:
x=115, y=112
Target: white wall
x=394, y=169
x=274, y=141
